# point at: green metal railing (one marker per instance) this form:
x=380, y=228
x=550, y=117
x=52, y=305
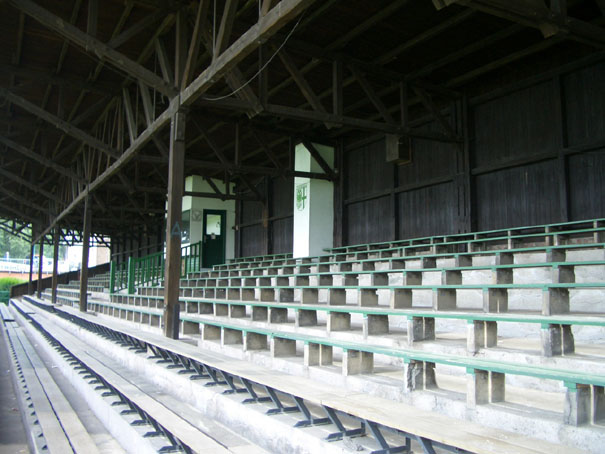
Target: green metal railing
x=149, y=270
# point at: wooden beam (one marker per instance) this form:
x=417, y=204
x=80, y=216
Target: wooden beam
x=278, y=17
x=180, y=45
x=251, y=187
x=39, y=158
x=129, y=114
x=164, y=61
x=57, y=122
x=24, y=200
x=124, y=158
x=337, y=100
x=194, y=45
x=427, y=34
x=266, y=149
x=319, y=159
x=93, y=17
x=265, y=7
x=28, y=185
x=303, y=114
x=147, y=103
x=224, y=31
x=92, y=45
x=371, y=94
x=432, y=108
x=302, y=83
x=538, y=15
x=213, y=145
x=212, y=195
x=137, y=28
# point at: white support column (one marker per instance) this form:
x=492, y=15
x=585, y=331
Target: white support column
x=313, y=204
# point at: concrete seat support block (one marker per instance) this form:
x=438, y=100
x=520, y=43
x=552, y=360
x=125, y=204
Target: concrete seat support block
x=267, y=294
x=367, y=297
x=337, y=297
x=357, y=362
x=481, y=334
x=557, y=340
x=282, y=347
x=484, y=387
x=444, y=299
x=305, y=318
x=278, y=315
x=231, y=336
x=418, y=375
x=374, y=324
x=237, y=311
x=400, y=298
x=191, y=328
x=339, y=321
x=255, y=341
x=577, y=404
x=309, y=296
x=211, y=332
x=555, y=301
x=260, y=314
x=495, y=300
x=285, y=295
x=420, y=328
x=221, y=310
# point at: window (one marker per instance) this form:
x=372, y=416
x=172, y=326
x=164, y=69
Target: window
x=213, y=224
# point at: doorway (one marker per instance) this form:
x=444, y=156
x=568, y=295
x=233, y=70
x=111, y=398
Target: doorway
x=213, y=238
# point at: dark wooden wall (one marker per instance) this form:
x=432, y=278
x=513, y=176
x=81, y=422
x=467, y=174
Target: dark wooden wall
x=534, y=153
x=267, y=230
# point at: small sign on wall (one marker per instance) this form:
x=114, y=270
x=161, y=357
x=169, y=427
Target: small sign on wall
x=301, y=196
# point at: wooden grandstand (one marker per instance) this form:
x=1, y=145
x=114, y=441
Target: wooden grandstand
x=337, y=226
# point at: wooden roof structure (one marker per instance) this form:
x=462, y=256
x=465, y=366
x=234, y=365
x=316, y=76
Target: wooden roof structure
x=88, y=88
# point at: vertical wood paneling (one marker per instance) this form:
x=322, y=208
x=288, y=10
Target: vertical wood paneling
x=518, y=196
x=587, y=185
x=514, y=126
x=367, y=221
x=585, y=104
x=427, y=211
x=252, y=240
x=366, y=170
x=283, y=235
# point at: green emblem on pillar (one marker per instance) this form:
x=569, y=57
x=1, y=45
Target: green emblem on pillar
x=301, y=196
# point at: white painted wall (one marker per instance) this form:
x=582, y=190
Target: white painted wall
x=196, y=183
x=313, y=224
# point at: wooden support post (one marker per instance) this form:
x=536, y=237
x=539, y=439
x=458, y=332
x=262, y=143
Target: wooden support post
x=85, y=246
x=173, y=225
x=55, y=264
x=40, y=263
x=32, y=251
x=562, y=168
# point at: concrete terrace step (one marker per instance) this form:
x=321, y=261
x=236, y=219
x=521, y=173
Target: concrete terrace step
x=60, y=427
x=430, y=426
x=179, y=420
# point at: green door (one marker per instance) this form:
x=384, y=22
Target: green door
x=213, y=246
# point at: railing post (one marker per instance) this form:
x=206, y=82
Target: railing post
x=112, y=276
x=131, y=276
x=199, y=256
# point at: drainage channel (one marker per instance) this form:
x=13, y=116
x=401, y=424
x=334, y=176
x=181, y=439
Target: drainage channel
x=236, y=385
